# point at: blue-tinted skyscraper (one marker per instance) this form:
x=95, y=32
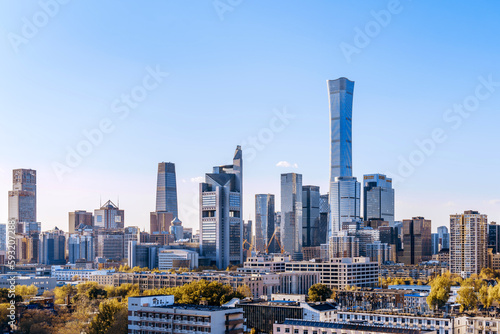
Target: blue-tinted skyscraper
x=221, y=226
x=344, y=189
x=264, y=223
x=378, y=197
x=310, y=217
x=291, y=214
x=166, y=189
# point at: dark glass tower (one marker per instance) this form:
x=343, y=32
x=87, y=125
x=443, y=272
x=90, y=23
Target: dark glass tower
x=166, y=189
x=310, y=217
x=264, y=223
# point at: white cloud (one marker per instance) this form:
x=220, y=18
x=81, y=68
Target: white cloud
x=286, y=164
x=197, y=179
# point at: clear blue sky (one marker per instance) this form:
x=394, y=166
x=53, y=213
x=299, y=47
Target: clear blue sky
x=226, y=79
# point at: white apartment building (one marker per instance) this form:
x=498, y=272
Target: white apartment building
x=169, y=258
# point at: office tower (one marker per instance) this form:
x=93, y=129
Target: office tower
x=444, y=237
x=110, y=244
x=340, y=94
x=52, y=247
x=468, y=243
x=494, y=237
x=343, y=245
x=176, y=229
x=109, y=216
x=344, y=202
x=77, y=218
x=130, y=233
x=310, y=216
x=160, y=221
x=435, y=243
x=221, y=226
x=3, y=237
x=27, y=248
x=389, y=235
x=143, y=254
x=291, y=214
x=29, y=227
x=324, y=218
x=264, y=223
x=366, y=235
x=247, y=231
x=22, y=198
x=417, y=244
x=166, y=189
x=379, y=252
x=378, y=197
x=80, y=247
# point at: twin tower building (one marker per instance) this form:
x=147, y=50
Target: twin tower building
x=221, y=225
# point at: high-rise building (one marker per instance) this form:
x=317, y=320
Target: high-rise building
x=291, y=214
x=79, y=217
x=176, y=229
x=310, y=216
x=80, y=247
x=435, y=243
x=444, y=237
x=52, y=247
x=22, y=198
x=343, y=245
x=324, y=218
x=379, y=252
x=166, y=189
x=340, y=93
x=468, y=243
x=366, y=235
x=417, y=243
x=110, y=244
x=143, y=254
x=378, y=197
x=109, y=216
x=221, y=205
x=159, y=222
x=3, y=237
x=264, y=223
x=344, y=202
x=494, y=237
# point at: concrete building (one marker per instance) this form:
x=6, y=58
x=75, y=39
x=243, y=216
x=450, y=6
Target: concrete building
x=221, y=205
x=468, y=243
x=159, y=314
x=159, y=222
x=291, y=214
x=42, y=283
x=3, y=237
x=144, y=255
x=67, y=274
x=176, y=229
x=379, y=252
x=177, y=258
x=78, y=217
x=22, y=198
x=341, y=272
x=262, y=263
x=343, y=245
x=110, y=244
x=109, y=216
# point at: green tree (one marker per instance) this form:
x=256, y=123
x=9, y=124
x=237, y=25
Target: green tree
x=109, y=316
x=319, y=292
x=440, y=291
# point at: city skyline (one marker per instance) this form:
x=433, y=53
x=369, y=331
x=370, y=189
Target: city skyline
x=395, y=112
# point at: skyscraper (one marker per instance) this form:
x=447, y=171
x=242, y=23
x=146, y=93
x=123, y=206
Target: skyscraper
x=468, y=243
x=79, y=217
x=417, y=243
x=444, y=237
x=264, y=223
x=81, y=247
x=291, y=214
x=52, y=247
x=22, y=198
x=166, y=189
x=109, y=216
x=345, y=206
x=378, y=197
x=324, y=218
x=344, y=202
x=310, y=216
x=221, y=225
x=494, y=237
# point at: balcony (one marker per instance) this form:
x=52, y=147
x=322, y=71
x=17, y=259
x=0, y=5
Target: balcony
x=234, y=322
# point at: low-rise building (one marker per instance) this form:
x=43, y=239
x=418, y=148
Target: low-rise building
x=65, y=274
x=270, y=263
x=477, y=325
x=159, y=314
x=177, y=258
x=42, y=283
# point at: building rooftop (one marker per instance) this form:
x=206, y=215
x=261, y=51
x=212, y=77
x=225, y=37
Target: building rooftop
x=322, y=306
x=348, y=326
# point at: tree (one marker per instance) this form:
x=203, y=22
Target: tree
x=26, y=291
x=64, y=293
x=319, y=292
x=467, y=297
x=440, y=291
x=110, y=316
x=244, y=290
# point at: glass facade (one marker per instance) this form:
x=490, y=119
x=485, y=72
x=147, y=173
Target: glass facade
x=264, y=223
x=417, y=242
x=22, y=198
x=166, y=188
x=310, y=216
x=344, y=202
x=378, y=197
x=291, y=214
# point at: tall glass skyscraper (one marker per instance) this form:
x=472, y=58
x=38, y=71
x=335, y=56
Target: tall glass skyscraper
x=264, y=222
x=344, y=189
x=221, y=205
x=166, y=189
x=22, y=198
x=310, y=217
x=291, y=214
x=378, y=197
